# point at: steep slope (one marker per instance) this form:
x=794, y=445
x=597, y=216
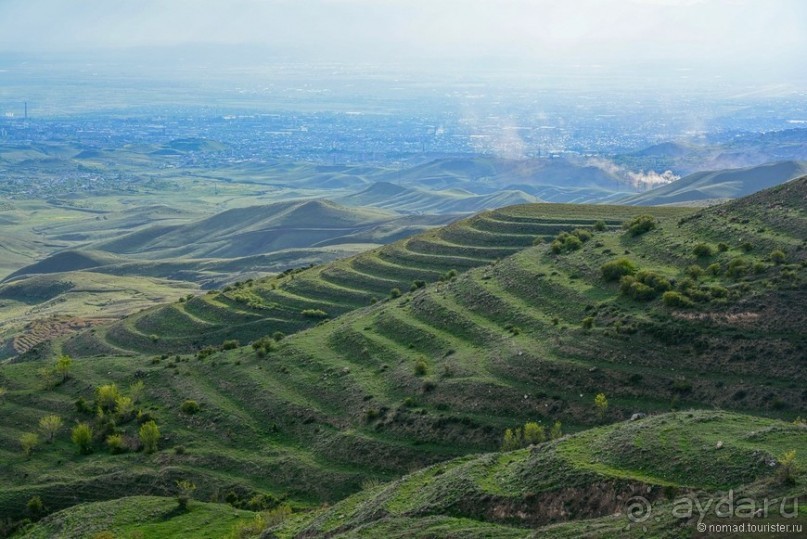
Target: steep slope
x=442, y=371
x=600, y=483
x=720, y=184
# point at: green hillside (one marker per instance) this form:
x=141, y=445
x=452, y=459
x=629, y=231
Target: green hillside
x=252, y=309
x=578, y=486
x=441, y=371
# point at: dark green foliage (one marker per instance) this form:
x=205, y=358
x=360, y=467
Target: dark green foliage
x=777, y=256
x=417, y=284
x=747, y=246
x=714, y=269
x=231, y=344
x=694, y=272
x=421, y=367
x=190, y=407
x=395, y=293
x=641, y=224
x=675, y=299
x=722, y=247
x=566, y=242
x=35, y=507
x=314, y=313
x=703, y=250
x=738, y=267
x=599, y=226
x=644, y=286
x=615, y=269
x=588, y=322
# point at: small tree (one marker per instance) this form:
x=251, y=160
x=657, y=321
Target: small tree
x=601, y=403
x=616, y=269
x=149, y=436
x=556, y=431
x=534, y=433
x=185, y=493
x=395, y=293
x=50, y=425
x=28, y=442
x=599, y=226
x=787, y=467
x=63, y=365
x=81, y=435
x=106, y=396
x=124, y=407
x=513, y=439
x=136, y=391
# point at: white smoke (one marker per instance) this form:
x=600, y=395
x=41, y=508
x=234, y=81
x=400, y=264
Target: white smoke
x=652, y=178
x=639, y=180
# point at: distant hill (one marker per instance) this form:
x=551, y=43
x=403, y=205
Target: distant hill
x=720, y=184
x=485, y=174
x=404, y=199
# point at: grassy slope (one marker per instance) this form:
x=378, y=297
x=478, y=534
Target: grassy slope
x=140, y=516
x=342, y=401
x=576, y=486
x=275, y=304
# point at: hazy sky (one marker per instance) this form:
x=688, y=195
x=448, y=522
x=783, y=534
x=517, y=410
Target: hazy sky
x=767, y=38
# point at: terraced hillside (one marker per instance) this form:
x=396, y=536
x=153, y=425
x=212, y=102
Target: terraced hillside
x=617, y=481
x=443, y=370
x=252, y=309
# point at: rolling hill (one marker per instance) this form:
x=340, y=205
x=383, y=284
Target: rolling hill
x=440, y=372
x=720, y=184
x=412, y=200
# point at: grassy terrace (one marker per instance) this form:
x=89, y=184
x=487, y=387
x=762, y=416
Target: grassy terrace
x=439, y=372
x=275, y=304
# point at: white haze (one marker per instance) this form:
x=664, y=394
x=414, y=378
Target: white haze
x=759, y=41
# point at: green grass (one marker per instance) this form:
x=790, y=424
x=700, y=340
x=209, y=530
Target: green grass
x=140, y=516
x=563, y=489
x=342, y=401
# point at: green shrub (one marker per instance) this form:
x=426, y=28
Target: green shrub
x=722, y=247
x=747, y=246
x=315, y=313
x=588, y=322
x=513, y=439
x=190, y=407
x=417, y=284
x=675, y=299
x=421, y=367
x=149, y=436
x=738, y=267
x=655, y=281
x=533, y=433
x=703, y=250
x=81, y=436
x=106, y=396
x=639, y=225
x=395, y=293
x=231, y=344
x=35, y=507
x=777, y=256
x=694, y=272
x=615, y=269
x=582, y=234
x=719, y=292
x=28, y=442
x=714, y=269
x=116, y=444
x=599, y=226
